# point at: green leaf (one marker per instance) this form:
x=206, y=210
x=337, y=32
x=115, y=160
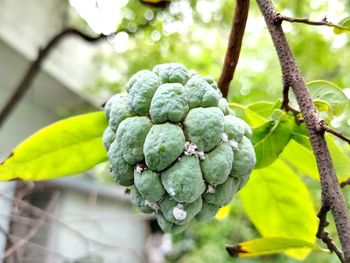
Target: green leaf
x=250, y=116
x=270, y=245
x=341, y=160
x=328, y=97
x=66, y=147
x=300, y=158
x=262, y=108
x=323, y=106
x=344, y=23
x=279, y=205
x=266, y=136
x=299, y=148
x=301, y=135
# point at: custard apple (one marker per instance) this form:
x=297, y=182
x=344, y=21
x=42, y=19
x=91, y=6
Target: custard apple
x=173, y=139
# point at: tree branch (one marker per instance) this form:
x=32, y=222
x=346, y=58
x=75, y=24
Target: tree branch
x=234, y=45
x=35, y=66
x=323, y=22
x=292, y=77
x=324, y=235
x=23, y=241
x=324, y=127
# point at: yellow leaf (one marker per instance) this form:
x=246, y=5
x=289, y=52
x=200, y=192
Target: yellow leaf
x=66, y=147
x=223, y=212
x=270, y=245
x=278, y=203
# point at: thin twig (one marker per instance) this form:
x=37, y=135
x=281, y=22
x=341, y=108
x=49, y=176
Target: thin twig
x=331, y=192
x=324, y=235
x=285, y=102
x=323, y=22
x=13, y=239
x=33, y=231
x=323, y=126
x=35, y=66
x=285, y=106
x=234, y=45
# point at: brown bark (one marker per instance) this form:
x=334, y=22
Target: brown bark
x=331, y=194
x=234, y=45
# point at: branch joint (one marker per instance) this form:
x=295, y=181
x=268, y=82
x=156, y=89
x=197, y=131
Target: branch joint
x=323, y=127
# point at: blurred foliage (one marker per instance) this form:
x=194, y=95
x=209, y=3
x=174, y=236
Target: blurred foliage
x=195, y=34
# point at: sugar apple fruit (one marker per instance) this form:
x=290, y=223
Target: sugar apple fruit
x=176, y=143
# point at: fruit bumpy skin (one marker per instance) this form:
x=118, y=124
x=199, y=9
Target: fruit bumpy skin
x=200, y=93
x=141, y=93
x=163, y=145
x=180, y=213
x=244, y=162
x=169, y=103
x=108, y=137
x=149, y=185
x=217, y=164
x=122, y=171
x=117, y=110
x=131, y=136
x=176, y=143
x=183, y=181
x=204, y=127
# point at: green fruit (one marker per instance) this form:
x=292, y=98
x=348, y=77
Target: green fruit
x=148, y=184
x=144, y=205
x=200, y=93
x=136, y=77
x=243, y=163
x=171, y=73
x=224, y=106
x=163, y=145
x=118, y=111
x=217, y=164
x=109, y=103
x=176, y=142
x=141, y=92
x=233, y=128
x=183, y=180
x=220, y=195
x=211, y=81
x=122, y=172
x=208, y=211
x=108, y=137
x=131, y=136
x=180, y=213
x=169, y=104
x=204, y=127
x=169, y=227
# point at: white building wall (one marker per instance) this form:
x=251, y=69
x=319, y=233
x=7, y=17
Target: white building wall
x=108, y=229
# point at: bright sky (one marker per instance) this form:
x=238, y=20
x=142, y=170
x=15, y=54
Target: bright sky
x=101, y=15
